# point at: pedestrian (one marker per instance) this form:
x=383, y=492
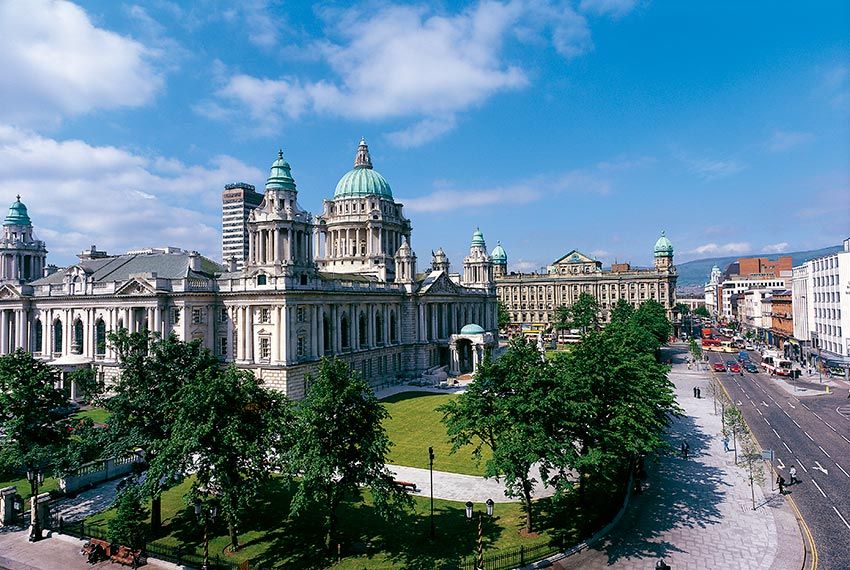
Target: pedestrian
x=780, y=481
x=685, y=449
x=699, y=392
x=793, y=473
x=726, y=443
x=695, y=391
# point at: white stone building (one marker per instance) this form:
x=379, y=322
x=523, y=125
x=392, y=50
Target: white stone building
x=342, y=284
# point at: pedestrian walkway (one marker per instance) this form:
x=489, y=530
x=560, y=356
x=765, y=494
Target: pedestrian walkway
x=697, y=512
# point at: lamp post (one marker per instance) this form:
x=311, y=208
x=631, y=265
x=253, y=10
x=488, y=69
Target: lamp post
x=35, y=478
x=207, y=514
x=479, y=561
x=431, y=470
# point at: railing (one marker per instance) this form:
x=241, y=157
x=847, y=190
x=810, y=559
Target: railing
x=514, y=558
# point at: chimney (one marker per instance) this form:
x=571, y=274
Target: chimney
x=50, y=270
x=232, y=267
x=195, y=261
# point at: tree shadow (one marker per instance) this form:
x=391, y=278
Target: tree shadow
x=402, y=396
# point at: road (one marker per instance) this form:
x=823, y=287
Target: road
x=809, y=429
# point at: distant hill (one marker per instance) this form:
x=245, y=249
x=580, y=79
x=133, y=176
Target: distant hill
x=695, y=273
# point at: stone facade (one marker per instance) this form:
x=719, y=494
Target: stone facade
x=344, y=284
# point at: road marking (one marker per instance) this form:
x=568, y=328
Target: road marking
x=821, y=468
x=805, y=406
x=817, y=416
x=842, y=518
x=765, y=404
x=803, y=466
x=774, y=431
x=786, y=447
x=759, y=411
x=781, y=465
x=771, y=398
x=786, y=413
x=795, y=423
x=842, y=469
x=824, y=452
x=765, y=420
x=808, y=436
x=793, y=407
x=819, y=489
x=845, y=439
x=830, y=427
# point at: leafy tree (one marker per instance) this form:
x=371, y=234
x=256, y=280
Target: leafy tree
x=34, y=430
x=701, y=311
x=129, y=526
x=507, y=409
x=622, y=312
x=504, y=316
x=681, y=309
x=584, y=313
x=696, y=349
x=227, y=430
x=144, y=401
x=562, y=318
x=754, y=463
x=339, y=446
x=651, y=316
x=734, y=424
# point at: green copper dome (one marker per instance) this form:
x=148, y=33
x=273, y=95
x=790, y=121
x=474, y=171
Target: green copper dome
x=499, y=257
x=363, y=180
x=478, y=239
x=17, y=215
x=280, y=175
x=663, y=247
x=471, y=329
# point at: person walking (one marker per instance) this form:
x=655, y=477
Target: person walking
x=685, y=449
x=793, y=474
x=780, y=482
x=726, y=443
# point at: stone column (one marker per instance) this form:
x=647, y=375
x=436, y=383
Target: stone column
x=276, y=336
x=238, y=320
x=285, y=332
x=7, y=505
x=249, y=333
x=320, y=336
x=314, y=328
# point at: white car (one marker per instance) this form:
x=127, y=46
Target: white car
x=750, y=347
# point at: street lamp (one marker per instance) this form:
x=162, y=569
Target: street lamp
x=431, y=469
x=35, y=478
x=479, y=562
x=207, y=514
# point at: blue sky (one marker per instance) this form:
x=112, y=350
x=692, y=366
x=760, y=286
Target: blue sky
x=590, y=124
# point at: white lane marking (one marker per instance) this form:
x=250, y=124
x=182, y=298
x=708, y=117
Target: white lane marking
x=803, y=466
x=765, y=420
x=796, y=424
x=771, y=398
x=780, y=464
x=830, y=427
x=808, y=436
x=759, y=411
x=817, y=416
x=842, y=518
x=845, y=439
x=793, y=407
x=786, y=413
x=821, y=468
x=765, y=404
x=819, y=489
x=805, y=406
x=774, y=431
x=842, y=469
x=786, y=447
x=824, y=452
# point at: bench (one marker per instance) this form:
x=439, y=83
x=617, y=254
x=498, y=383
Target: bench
x=128, y=557
x=406, y=485
x=96, y=550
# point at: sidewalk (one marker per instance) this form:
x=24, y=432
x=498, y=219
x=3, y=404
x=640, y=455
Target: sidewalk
x=697, y=513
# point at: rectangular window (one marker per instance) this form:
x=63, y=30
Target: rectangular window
x=302, y=346
x=175, y=316
x=265, y=315
x=300, y=314
x=222, y=346
x=223, y=315
x=265, y=348
x=197, y=315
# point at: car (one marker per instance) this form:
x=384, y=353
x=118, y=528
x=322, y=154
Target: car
x=730, y=363
x=735, y=368
x=751, y=367
x=750, y=347
x=719, y=367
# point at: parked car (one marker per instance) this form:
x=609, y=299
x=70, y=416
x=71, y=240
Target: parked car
x=730, y=363
x=751, y=367
x=719, y=367
x=735, y=368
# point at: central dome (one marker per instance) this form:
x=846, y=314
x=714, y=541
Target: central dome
x=363, y=180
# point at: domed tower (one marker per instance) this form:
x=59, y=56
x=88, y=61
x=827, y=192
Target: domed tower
x=362, y=227
x=23, y=257
x=663, y=254
x=439, y=260
x=279, y=231
x=714, y=277
x=500, y=261
x=477, y=266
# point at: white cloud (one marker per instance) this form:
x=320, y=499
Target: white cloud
x=726, y=248
x=524, y=265
x=776, y=247
x=113, y=198
x=710, y=168
x=419, y=133
x=786, y=140
x=600, y=253
x=614, y=8
x=57, y=63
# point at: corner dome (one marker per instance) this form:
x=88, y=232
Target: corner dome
x=280, y=175
x=17, y=214
x=471, y=329
x=363, y=180
x=499, y=256
x=478, y=239
x=663, y=247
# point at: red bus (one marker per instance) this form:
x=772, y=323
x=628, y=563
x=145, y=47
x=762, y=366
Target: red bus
x=706, y=333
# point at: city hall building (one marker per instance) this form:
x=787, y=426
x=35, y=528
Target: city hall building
x=343, y=283
x=533, y=298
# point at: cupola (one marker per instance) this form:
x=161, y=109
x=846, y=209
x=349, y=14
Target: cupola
x=280, y=175
x=663, y=247
x=363, y=179
x=17, y=214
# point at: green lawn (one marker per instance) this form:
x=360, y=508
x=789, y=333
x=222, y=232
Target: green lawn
x=271, y=538
x=97, y=415
x=415, y=425
x=50, y=484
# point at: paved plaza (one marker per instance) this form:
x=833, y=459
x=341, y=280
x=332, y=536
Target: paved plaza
x=697, y=512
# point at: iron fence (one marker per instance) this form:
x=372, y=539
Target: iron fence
x=513, y=558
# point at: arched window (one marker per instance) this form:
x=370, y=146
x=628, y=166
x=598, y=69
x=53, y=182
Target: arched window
x=344, y=333
x=379, y=329
x=393, y=330
x=38, y=340
x=57, y=336
x=77, y=346
x=362, y=330
x=100, y=337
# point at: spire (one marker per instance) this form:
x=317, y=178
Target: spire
x=362, y=160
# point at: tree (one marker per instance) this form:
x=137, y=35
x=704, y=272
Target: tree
x=752, y=459
x=701, y=311
x=733, y=423
x=144, y=401
x=696, y=350
x=507, y=409
x=504, y=316
x=584, y=313
x=622, y=312
x=129, y=526
x=681, y=309
x=562, y=318
x=652, y=317
x=34, y=429
x=340, y=445
x=227, y=431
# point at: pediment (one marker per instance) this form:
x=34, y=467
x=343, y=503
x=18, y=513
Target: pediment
x=575, y=256
x=439, y=285
x=135, y=287
x=7, y=292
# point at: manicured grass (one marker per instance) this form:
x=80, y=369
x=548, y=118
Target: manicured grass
x=50, y=484
x=271, y=539
x=415, y=425
x=97, y=415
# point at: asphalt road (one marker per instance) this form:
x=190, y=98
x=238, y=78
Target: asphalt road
x=811, y=430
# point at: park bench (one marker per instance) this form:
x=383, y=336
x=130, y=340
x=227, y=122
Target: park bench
x=128, y=557
x=406, y=485
x=96, y=550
